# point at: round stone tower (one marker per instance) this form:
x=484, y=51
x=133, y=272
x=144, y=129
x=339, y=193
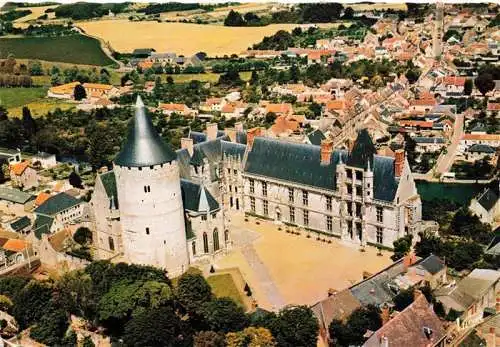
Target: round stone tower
x=150, y=200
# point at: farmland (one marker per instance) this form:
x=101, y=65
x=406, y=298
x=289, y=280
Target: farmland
x=76, y=49
x=14, y=97
x=182, y=38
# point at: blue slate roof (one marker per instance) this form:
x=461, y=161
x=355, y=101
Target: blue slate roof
x=419, y=139
x=197, y=198
x=301, y=163
x=233, y=149
x=109, y=182
x=293, y=162
x=480, y=148
x=20, y=223
x=42, y=225
x=197, y=137
x=56, y=204
x=316, y=136
x=488, y=198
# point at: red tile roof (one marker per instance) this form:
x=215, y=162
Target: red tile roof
x=18, y=169
x=493, y=106
x=408, y=328
x=415, y=123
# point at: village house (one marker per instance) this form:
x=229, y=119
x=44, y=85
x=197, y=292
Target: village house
x=279, y=109
x=14, y=198
x=451, y=86
x=417, y=326
x=380, y=289
x=429, y=144
x=422, y=105
x=492, y=140
x=473, y=297
x=20, y=225
x=493, y=108
x=180, y=109
x=62, y=208
x=94, y=91
x=10, y=156
x=478, y=152
x=23, y=175
x=486, y=206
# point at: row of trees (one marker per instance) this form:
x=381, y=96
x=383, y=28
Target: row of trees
x=140, y=306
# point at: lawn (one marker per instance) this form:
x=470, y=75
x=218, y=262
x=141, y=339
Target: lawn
x=16, y=97
x=41, y=107
x=224, y=286
x=75, y=49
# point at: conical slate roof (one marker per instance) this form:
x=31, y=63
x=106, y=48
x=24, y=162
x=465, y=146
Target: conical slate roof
x=143, y=146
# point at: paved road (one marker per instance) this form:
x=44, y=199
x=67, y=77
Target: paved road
x=244, y=239
x=445, y=161
x=264, y=277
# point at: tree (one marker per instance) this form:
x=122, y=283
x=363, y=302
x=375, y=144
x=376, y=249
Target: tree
x=29, y=124
x=32, y=303
x=295, y=327
x=51, y=328
x=83, y=236
x=401, y=247
x=79, y=92
x=234, y=19
x=251, y=337
x=12, y=285
x=468, y=85
x=403, y=299
x=348, y=13
x=74, y=294
x=351, y=333
x=157, y=327
x=87, y=342
x=75, y=180
x=125, y=299
x=209, y=339
x=231, y=78
x=484, y=83
x=192, y=291
x=222, y=314
x=35, y=68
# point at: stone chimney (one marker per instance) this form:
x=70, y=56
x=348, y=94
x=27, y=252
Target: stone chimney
x=211, y=131
x=238, y=126
x=399, y=162
x=409, y=259
x=251, y=135
x=385, y=314
x=326, y=151
x=416, y=293
x=231, y=132
x=187, y=143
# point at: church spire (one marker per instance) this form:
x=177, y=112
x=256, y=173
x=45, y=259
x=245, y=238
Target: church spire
x=143, y=146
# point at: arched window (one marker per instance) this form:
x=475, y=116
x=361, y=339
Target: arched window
x=205, y=242
x=226, y=235
x=193, y=246
x=216, y=240
x=111, y=244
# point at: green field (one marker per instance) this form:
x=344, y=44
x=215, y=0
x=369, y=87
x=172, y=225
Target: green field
x=76, y=49
x=223, y=286
x=15, y=97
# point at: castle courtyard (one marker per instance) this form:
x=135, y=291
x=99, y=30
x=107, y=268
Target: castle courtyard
x=283, y=268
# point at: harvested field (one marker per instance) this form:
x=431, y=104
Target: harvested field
x=76, y=49
x=182, y=38
x=36, y=12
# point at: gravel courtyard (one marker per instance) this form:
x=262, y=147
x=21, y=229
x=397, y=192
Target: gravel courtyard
x=287, y=269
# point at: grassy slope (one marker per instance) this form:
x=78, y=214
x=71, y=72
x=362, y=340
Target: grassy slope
x=14, y=97
x=75, y=49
